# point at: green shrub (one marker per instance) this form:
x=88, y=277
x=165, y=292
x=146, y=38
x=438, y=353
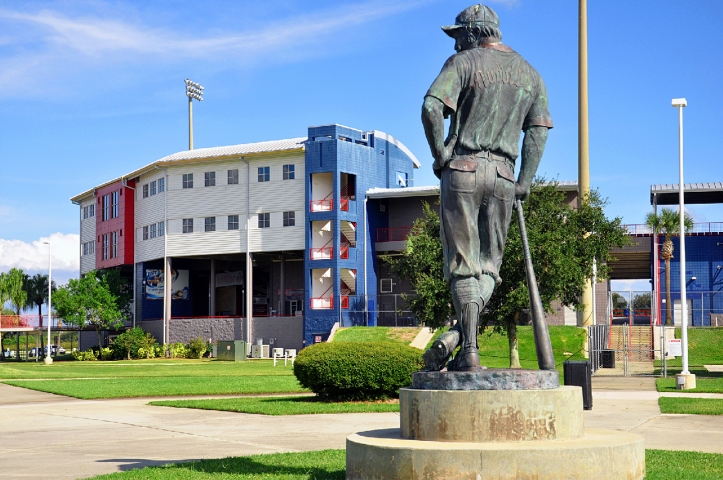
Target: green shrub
x=106, y=354
x=178, y=350
x=197, y=347
x=357, y=371
x=129, y=343
x=88, y=355
x=159, y=350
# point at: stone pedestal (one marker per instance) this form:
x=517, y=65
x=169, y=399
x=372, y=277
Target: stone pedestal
x=685, y=381
x=523, y=425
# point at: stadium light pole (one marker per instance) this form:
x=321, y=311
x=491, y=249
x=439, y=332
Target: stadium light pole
x=193, y=91
x=48, y=360
x=685, y=380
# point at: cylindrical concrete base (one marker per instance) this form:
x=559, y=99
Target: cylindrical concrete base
x=382, y=454
x=491, y=415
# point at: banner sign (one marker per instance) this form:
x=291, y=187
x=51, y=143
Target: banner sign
x=155, y=283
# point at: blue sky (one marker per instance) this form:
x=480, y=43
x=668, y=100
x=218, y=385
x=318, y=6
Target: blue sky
x=94, y=89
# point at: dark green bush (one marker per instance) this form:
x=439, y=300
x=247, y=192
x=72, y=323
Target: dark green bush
x=357, y=371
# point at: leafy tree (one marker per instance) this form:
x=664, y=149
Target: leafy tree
x=562, y=249
x=120, y=287
x=130, y=342
x=619, y=302
x=88, y=300
x=36, y=288
x=14, y=288
x=668, y=223
x=642, y=301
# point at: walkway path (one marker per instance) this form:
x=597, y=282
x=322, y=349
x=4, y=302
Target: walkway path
x=49, y=436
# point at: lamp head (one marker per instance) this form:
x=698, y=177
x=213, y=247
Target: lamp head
x=680, y=102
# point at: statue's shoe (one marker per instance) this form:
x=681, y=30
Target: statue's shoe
x=467, y=360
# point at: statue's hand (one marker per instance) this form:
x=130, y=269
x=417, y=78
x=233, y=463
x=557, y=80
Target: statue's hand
x=521, y=192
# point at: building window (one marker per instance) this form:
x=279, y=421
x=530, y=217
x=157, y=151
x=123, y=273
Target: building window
x=161, y=185
x=145, y=191
x=106, y=207
x=154, y=230
x=105, y=247
x=289, y=219
x=209, y=179
x=114, y=245
x=209, y=224
x=89, y=248
x=264, y=174
x=187, y=180
x=145, y=233
x=233, y=222
x=289, y=172
x=153, y=187
x=161, y=229
x=89, y=211
x=114, y=205
x=187, y=225
x=233, y=177
x=264, y=220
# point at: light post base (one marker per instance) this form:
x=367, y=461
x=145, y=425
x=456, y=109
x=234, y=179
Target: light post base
x=685, y=381
x=48, y=361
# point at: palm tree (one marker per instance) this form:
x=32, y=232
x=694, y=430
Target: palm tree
x=36, y=288
x=668, y=223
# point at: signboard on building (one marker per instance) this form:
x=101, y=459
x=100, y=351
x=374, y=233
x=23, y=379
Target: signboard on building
x=675, y=347
x=155, y=283
x=229, y=278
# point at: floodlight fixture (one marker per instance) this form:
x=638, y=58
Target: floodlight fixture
x=680, y=102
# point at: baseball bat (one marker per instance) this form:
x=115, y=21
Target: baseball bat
x=543, y=346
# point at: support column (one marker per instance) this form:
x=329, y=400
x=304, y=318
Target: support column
x=282, y=286
x=167, y=289
x=249, y=294
x=212, y=290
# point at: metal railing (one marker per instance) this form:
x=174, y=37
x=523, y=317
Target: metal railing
x=326, y=205
x=703, y=228
x=323, y=253
x=31, y=322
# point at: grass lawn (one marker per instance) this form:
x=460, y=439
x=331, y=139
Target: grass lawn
x=282, y=405
x=146, y=378
x=403, y=335
x=330, y=465
x=567, y=344
x=705, y=347
x=695, y=406
x=703, y=385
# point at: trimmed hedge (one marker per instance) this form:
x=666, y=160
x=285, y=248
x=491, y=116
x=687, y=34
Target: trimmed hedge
x=357, y=371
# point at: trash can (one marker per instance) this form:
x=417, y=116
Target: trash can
x=607, y=359
x=579, y=374
x=232, y=350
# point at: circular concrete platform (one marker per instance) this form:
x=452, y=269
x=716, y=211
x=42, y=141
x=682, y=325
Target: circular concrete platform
x=491, y=415
x=382, y=454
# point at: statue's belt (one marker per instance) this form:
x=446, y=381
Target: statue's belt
x=466, y=161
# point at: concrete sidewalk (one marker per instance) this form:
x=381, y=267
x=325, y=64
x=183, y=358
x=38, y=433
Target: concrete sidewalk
x=45, y=435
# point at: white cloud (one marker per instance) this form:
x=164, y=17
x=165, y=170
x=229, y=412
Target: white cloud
x=33, y=256
x=51, y=44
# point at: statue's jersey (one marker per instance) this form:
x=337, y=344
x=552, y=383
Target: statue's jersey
x=494, y=94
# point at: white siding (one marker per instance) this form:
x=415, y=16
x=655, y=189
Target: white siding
x=275, y=197
x=87, y=234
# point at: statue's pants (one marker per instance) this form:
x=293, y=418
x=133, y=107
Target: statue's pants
x=477, y=196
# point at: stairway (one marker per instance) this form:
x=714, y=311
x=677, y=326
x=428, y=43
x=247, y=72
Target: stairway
x=348, y=229
x=348, y=277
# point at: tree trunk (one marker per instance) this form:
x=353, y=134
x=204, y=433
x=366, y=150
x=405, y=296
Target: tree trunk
x=40, y=314
x=668, y=303
x=100, y=343
x=512, y=339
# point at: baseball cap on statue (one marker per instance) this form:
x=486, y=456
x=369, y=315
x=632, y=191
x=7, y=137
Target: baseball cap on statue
x=475, y=15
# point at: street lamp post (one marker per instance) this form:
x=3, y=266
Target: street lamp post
x=193, y=90
x=685, y=380
x=48, y=360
